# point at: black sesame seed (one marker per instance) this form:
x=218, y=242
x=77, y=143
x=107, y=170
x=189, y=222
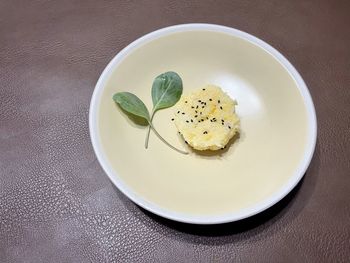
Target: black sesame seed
x=203, y=107
x=199, y=101
x=205, y=103
x=205, y=132
x=183, y=113
x=203, y=89
x=178, y=111
x=222, y=123
x=192, y=107
x=187, y=121
x=229, y=127
x=202, y=120
x=200, y=113
x=197, y=107
x=207, y=118
x=218, y=101
x=220, y=107
x=196, y=111
x=195, y=116
x=191, y=120
x=210, y=99
x=172, y=119
x=186, y=101
x=186, y=142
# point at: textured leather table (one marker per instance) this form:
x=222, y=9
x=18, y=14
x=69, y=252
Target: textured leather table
x=57, y=205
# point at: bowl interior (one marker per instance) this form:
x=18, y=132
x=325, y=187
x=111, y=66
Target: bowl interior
x=271, y=146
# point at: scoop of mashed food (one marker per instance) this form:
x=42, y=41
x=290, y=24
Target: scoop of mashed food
x=206, y=118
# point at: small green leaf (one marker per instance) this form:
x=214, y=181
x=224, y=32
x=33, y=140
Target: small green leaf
x=166, y=90
x=132, y=104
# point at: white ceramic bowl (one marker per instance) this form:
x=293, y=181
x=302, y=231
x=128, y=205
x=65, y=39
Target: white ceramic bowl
x=278, y=125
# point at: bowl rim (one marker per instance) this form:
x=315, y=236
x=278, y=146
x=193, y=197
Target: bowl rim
x=196, y=219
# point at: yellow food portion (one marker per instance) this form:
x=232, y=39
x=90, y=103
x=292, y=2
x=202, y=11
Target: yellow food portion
x=206, y=118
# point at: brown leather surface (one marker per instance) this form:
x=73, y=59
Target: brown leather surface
x=57, y=205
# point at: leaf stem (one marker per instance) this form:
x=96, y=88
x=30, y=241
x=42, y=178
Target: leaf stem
x=163, y=140
x=149, y=129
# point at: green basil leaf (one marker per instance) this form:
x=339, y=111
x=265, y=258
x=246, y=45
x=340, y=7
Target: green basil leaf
x=132, y=104
x=166, y=90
